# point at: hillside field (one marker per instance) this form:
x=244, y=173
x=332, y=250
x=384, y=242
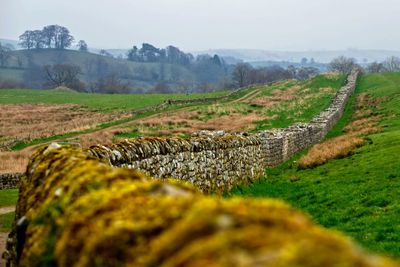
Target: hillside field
x=133, y=72
x=357, y=194
x=95, y=102
x=32, y=117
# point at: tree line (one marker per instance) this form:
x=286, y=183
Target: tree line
x=345, y=65
x=175, y=71
x=244, y=74
x=51, y=36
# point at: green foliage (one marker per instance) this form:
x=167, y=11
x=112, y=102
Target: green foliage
x=6, y=221
x=8, y=197
x=358, y=194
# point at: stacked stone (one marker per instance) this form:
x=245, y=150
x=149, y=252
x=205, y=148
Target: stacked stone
x=9, y=180
x=215, y=161
x=281, y=144
x=213, y=164
x=74, y=210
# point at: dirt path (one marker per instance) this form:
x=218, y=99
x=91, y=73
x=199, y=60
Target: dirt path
x=4, y=236
x=4, y=210
x=248, y=96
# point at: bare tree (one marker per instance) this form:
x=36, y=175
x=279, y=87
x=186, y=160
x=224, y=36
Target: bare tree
x=392, y=64
x=241, y=74
x=37, y=39
x=62, y=37
x=61, y=74
x=375, y=67
x=48, y=35
x=82, y=46
x=342, y=64
x=27, y=40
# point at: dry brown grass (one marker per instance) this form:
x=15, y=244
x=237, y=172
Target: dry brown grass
x=335, y=148
x=364, y=123
x=278, y=96
x=15, y=161
x=25, y=122
x=186, y=122
x=104, y=137
x=364, y=126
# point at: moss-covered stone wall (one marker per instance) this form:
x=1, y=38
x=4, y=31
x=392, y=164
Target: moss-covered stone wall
x=75, y=210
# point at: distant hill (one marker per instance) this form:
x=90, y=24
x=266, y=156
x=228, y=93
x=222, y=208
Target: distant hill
x=253, y=55
x=143, y=76
x=14, y=43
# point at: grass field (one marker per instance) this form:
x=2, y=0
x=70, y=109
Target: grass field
x=358, y=194
x=6, y=221
x=95, y=102
x=264, y=107
x=8, y=197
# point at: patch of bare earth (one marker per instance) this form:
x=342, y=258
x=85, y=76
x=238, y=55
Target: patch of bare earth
x=25, y=122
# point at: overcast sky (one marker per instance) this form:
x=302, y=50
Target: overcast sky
x=203, y=24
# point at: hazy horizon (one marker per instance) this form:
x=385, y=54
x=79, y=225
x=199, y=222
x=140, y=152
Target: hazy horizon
x=194, y=25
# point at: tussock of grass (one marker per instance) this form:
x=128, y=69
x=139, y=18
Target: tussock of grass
x=335, y=148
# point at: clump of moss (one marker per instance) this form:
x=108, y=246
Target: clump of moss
x=85, y=213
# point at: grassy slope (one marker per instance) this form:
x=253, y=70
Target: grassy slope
x=300, y=109
x=101, y=102
x=52, y=56
x=8, y=197
x=358, y=195
x=6, y=221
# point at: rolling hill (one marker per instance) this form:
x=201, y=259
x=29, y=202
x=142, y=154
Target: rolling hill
x=140, y=75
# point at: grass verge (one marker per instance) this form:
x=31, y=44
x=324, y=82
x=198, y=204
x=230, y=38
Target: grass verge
x=357, y=194
x=6, y=221
x=8, y=197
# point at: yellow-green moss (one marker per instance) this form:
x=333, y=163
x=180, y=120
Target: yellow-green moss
x=85, y=213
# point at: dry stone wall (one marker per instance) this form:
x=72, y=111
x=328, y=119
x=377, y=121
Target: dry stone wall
x=218, y=163
x=73, y=210
x=9, y=180
x=209, y=163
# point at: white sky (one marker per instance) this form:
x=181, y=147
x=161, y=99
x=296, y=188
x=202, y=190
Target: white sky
x=204, y=24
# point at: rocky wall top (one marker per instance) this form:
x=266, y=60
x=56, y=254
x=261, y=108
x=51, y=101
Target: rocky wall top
x=74, y=210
